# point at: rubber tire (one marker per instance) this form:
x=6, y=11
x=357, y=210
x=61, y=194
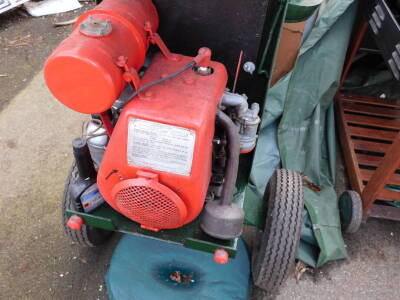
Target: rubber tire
x=352, y=225
x=274, y=257
x=87, y=236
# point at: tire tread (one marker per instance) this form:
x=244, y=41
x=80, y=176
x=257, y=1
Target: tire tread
x=275, y=258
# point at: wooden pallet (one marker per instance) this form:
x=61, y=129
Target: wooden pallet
x=370, y=137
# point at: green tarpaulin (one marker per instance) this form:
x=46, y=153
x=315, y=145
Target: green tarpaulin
x=302, y=106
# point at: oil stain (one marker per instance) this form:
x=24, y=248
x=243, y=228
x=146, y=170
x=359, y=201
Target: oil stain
x=11, y=144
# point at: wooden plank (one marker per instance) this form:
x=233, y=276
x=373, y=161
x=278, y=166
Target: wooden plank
x=385, y=212
x=382, y=176
x=369, y=160
x=349, y=154
x=359, y=37
x=393, y=103
x=388, y=195
x=372, y=121
x=379, y=134
x=370, y=146
x=392, y=178
x=372, y=110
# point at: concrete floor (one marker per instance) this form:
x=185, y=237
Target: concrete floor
x=37, y=261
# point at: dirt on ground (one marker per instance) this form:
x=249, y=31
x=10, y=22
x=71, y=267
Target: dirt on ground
x=37, y=261
x=25, y=43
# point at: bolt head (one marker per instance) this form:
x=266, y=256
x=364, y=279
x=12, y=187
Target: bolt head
x=148, y=94
x=249, y=67
x=221, y=256
x=75, y=222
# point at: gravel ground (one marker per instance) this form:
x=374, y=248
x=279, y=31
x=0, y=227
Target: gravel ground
x=37, y=261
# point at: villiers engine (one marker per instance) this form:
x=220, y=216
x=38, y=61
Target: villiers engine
x=164, y=137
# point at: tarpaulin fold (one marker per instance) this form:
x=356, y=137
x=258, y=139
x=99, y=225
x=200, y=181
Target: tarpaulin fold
x=302, y=105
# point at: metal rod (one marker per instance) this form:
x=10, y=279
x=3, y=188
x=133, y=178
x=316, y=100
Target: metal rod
x=237, y=71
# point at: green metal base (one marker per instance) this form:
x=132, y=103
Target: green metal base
x=190, y=236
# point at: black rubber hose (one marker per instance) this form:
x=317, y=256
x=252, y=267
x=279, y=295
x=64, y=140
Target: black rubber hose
x=232, y=165
x=141, y=89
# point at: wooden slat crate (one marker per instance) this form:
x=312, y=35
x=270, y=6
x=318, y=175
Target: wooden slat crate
x=370, y=137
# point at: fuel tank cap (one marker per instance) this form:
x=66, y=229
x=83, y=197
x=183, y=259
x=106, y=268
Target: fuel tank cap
x=95, y=27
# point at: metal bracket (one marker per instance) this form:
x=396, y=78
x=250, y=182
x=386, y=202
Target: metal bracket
x=130, y=74
x=155, y=38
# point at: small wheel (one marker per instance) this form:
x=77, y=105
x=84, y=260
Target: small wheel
x=351, y=212
x=275, y=253
x=86, y=236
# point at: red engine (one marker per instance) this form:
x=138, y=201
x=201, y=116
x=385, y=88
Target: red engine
x=158, y=163
x=157, y=166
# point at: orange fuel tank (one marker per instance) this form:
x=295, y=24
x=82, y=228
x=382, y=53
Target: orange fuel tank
x=157, y=166
x=82, y=72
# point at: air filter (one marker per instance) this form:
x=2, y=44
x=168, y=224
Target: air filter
x=149, y=203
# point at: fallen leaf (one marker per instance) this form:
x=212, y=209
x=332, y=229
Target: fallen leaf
x=301, y=268
x=83, y=260
x=176, y=276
